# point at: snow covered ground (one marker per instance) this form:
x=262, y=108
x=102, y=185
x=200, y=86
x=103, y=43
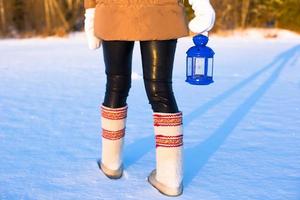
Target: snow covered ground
x=242, y=133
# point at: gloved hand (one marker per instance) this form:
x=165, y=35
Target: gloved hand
x=204, y=16
x=93, y=41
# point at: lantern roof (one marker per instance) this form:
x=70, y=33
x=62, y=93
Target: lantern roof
x=200, y=49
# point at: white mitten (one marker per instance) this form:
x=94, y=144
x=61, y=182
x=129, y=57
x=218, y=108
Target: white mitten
x=204, y=16
x=93, y=41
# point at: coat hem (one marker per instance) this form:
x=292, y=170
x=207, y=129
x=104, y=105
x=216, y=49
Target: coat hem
x=140, y=39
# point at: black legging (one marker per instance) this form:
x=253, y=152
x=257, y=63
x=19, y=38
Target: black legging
x=157, y=61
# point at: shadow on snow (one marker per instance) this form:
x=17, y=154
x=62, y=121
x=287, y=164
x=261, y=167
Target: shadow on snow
x=196, y=157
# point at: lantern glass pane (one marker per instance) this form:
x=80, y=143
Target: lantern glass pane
x=189, y=66
x=199, y=66
x=210, y=63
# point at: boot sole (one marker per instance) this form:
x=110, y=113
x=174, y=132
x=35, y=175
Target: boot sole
x=165, y=190
x=112, y=174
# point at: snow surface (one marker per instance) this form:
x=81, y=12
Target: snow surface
x=261, y=33
x=242, y=133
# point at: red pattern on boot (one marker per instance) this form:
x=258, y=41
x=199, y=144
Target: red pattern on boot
x=114, y=113
x=113, y=135
x=169, y=141
x=168, y=120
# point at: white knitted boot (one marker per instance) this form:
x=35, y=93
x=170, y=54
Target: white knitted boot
x=113, y=131
x=168, y=175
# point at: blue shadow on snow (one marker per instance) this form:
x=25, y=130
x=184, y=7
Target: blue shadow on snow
x=203, y=151
x=196, y=157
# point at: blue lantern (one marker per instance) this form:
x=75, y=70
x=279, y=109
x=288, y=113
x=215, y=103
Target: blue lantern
x=200, y=62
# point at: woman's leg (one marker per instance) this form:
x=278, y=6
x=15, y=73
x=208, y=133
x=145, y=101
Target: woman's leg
x=117, y=58
x=158, y=58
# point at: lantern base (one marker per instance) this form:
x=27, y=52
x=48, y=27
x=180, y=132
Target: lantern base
x=199, y=80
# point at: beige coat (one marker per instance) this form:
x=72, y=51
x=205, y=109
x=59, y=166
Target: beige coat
x=139, y=19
